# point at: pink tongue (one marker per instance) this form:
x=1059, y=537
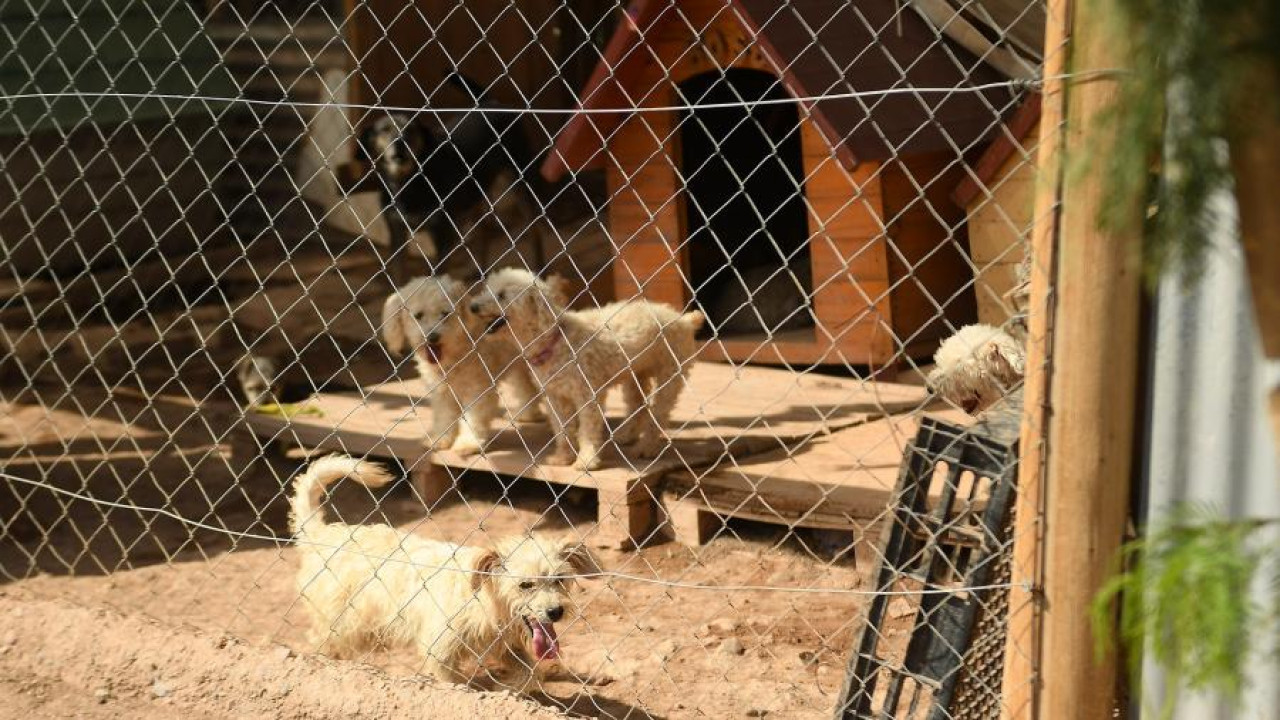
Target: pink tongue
x=545, y=644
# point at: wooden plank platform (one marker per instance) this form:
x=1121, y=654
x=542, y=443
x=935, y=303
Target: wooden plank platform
x=841, y=482
x=726, y=414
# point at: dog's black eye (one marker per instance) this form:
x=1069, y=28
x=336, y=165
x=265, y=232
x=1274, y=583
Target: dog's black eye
x=419, y=315
x=502, y=295
x=526, y=585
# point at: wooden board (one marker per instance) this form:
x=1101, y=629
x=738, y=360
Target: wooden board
x=727, y=413
x=839, y=482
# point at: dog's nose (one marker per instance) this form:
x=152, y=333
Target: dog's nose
x=475, y=307
x=554, y=614
x=433, y=338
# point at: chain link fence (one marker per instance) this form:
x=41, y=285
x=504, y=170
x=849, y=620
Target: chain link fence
x=635, y=309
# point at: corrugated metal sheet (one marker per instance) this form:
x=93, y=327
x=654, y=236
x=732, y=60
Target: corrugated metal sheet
x=1210, y=438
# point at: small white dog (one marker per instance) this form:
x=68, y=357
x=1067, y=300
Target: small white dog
x=977, y=367
x=370, y=586
x=461, y=366
x=576, y=356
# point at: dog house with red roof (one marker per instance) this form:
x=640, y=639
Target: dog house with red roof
x=999, y=197
x=809, y=231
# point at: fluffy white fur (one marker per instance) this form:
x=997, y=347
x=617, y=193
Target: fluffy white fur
x=977, y=367
x=371, y=586
x=577, y=356
x=460, y=364
x=1019, y=297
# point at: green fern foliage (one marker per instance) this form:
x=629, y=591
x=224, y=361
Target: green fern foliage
x=1184, y=597
x=1181, y=98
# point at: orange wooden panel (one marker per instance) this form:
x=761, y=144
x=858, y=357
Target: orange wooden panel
x=865, y=343
x=722, y=41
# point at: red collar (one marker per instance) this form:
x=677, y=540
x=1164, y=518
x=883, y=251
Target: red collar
x=543, y=355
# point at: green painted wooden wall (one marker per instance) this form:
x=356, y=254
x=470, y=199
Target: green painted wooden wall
x=131, y=46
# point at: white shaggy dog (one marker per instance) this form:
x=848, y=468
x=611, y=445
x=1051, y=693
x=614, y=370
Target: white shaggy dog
x=977, y=367
x=576, y=356
x=462, y=367
x=460, y=607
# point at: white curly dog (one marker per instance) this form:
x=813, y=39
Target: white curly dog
x=460, y=364
x=977, y=367
x=460, y=607
x=646, y=348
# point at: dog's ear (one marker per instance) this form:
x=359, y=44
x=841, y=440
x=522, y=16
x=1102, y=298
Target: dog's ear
x=454, y=289
x=577, y=557
x=1008, y=371
x=393, y=319
x=488, y=564
x=561, y=289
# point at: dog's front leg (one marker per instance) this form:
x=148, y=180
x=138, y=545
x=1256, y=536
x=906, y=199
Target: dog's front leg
x=633, y=402
x=561, y=420
x=592, y=433
x=446, y=416
x=477, y=421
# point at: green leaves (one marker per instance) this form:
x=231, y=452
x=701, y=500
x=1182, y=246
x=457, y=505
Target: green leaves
x=1177, y=111
x=1184, y=598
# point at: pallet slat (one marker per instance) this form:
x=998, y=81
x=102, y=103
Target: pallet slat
x=726, y=413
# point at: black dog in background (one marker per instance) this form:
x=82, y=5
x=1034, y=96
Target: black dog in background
x=440, y=173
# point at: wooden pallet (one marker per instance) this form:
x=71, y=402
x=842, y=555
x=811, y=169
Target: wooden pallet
x=842, y=483
x=726, y=414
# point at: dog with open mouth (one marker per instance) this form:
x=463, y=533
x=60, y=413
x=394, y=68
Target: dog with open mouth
x=577, y=356
x=461, y=365
x=461, y=607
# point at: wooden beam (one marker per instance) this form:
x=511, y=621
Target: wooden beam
x=1255, y=162
x=1092, y=393
x=1020, y=687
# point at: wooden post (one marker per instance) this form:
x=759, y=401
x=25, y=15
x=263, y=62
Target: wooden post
x=1092, y=393
x=624, y=517
x=1255, y=162
x=431, y=482
x=691, y=524
x=1022, y=658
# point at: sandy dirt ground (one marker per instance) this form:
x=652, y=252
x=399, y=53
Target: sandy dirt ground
x=640, y=649
x=63, y=660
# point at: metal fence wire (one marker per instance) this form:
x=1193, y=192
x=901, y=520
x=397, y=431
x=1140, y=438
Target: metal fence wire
x=570, y=347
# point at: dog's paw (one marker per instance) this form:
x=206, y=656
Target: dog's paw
x=587, y=461
x=468, y=445
x=559, y=457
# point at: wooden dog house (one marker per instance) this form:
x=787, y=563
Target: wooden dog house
x=999, y=198
x=847, y=201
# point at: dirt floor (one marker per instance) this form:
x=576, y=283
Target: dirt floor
x=640, y=649
x=63, y=660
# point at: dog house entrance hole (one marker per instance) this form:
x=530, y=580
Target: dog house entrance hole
x=745, y=217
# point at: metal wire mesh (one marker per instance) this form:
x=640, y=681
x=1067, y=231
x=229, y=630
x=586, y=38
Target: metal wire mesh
x=696, y=270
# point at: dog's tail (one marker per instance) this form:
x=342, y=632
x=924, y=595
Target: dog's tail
x=308, y=489
x=693, y=320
